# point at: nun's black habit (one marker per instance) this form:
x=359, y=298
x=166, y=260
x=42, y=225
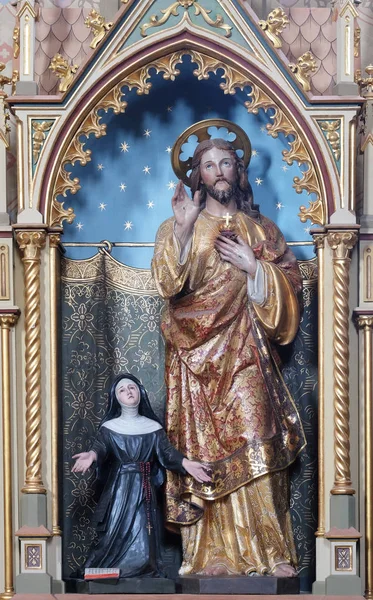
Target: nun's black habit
x=126, y=516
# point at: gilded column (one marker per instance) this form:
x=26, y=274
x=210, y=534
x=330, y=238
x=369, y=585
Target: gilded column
x=54, y=241
x=341, y=242
x=319, y=240
x=31, y=243
x=7, y=321
x=365, y=322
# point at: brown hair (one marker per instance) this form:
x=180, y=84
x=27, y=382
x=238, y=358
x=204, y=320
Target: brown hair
x=244, y=195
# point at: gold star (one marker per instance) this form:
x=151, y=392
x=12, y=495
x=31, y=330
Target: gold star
x=279, y=206
x=150, y=204
x=255, y=153
x=100, y=167
x=79, y=226
x=171, y=185
x=258, y=181
x=285, y=168
x=263, y=129
x=307, y=229
x=128, y=225
x=102, y=206
x=124, y=147
x=146, y=170
x=147, y=132
x=122, y=187
x=169, y=108
x=169, y=149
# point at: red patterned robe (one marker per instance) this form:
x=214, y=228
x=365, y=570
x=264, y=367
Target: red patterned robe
x=227, y=404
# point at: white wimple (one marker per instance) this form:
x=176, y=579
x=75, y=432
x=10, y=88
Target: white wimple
x=131, y=423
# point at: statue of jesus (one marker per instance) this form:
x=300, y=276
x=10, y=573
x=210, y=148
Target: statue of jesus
x=228, y=298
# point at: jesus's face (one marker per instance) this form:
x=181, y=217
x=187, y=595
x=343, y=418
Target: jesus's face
x=219, y=174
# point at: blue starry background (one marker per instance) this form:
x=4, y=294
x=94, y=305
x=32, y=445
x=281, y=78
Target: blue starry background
x=126, y=188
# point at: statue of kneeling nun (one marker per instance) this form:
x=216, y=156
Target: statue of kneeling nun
x=132, y=445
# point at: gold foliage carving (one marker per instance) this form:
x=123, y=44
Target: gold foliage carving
x=232, y=79
x=297, y=152
x=97, y=25
x=357, y=37
x=315, y=212
x=172, y=10
x=274, y=25
x=331, y=128
x=59, y=214
x=76, y=152
x=16, y=46
x=303, y=69
x=38, y=137
x=63, y=71
x=365, y=83
x=4, y=80
x=139, y=80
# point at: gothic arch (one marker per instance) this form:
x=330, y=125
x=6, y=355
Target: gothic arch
x=106, y=93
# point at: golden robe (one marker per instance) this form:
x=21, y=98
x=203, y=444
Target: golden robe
x=227, y=404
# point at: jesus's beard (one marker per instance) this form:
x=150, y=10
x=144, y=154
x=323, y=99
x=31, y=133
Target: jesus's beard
x=222, y=196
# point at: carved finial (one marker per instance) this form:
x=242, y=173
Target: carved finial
x=96, y=23
x=274, y=25
x=63, y=71
x=306, y=65
x=4, y=80
x=365, y=83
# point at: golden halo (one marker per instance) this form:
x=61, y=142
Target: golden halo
x=200, y=130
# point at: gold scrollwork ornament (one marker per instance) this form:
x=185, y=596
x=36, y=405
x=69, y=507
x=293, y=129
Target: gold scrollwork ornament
x=274, y=25
x=63, y=71
x=303, y=69
x=97, y=25
x=172, y=10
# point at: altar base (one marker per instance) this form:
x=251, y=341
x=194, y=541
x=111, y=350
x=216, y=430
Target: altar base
x=231, y=584
x=133, y=585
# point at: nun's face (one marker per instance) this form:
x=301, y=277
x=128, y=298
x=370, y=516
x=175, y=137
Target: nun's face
x=127, y=393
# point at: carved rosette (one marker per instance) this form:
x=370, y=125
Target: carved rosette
x=341, y=242
x=232, y=80
x=31, y=244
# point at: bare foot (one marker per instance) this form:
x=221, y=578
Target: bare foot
x=215, y=571
x=284, y=570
